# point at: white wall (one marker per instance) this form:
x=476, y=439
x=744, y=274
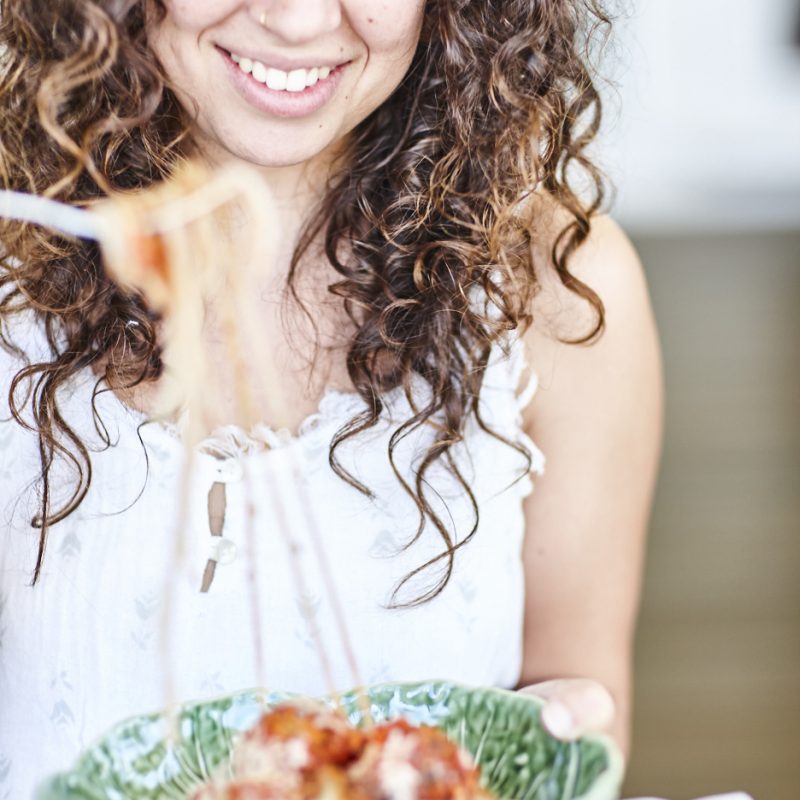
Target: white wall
x=707, y=127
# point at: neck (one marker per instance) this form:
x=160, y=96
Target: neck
x=296, y=189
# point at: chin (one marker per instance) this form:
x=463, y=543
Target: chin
x=279, y=152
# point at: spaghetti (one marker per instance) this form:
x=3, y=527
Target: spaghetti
x=310, y=752
x=178, y=244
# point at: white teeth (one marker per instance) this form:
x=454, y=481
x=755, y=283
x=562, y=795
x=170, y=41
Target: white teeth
x=276, y=79
x=259, y=72
x=294, y=81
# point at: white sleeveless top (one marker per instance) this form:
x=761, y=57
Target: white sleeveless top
x=83, y=649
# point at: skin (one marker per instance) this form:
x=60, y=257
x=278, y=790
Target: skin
x=598, y=416
x=588, y=515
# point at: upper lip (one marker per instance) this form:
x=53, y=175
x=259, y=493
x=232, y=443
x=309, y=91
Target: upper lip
x=285, y=63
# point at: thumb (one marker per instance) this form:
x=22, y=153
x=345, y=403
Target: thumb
x=574, y=707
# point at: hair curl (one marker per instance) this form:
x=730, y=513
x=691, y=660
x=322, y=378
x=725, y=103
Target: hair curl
x=499, y=101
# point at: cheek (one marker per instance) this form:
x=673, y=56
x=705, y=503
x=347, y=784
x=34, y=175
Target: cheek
x=390, y=28
x=175, y=38
x=194, y=16
x=390, y=32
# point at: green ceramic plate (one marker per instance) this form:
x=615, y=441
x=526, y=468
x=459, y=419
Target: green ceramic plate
x=518, y=759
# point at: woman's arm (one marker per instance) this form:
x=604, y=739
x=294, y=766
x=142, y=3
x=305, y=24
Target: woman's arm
x=597, y=416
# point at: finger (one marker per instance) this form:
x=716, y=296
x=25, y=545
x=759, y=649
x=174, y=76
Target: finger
x=575, y=706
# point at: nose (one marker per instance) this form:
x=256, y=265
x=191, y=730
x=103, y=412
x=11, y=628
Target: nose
x=298, y=20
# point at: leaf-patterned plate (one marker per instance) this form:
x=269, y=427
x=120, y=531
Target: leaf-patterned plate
x=139, y=760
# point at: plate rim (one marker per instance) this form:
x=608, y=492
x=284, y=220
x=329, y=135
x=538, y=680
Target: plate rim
x=605, y=786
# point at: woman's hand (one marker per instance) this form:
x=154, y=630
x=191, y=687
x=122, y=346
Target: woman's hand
x=577, y=706
x=574, y=707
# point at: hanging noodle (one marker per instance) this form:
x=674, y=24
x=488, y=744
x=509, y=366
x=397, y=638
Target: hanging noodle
x=177, y=244
x=173, y=243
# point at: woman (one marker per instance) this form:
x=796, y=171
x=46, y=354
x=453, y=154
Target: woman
x=439, y=259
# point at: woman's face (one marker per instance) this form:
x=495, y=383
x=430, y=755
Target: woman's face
x=249, y=69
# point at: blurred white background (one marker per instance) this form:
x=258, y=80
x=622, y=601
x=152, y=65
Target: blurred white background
x=708, y=135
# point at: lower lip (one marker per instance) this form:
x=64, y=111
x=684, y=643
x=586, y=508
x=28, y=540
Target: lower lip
x=283, y=103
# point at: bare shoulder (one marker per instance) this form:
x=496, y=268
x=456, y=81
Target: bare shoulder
x=626, y=350
x=606, y=262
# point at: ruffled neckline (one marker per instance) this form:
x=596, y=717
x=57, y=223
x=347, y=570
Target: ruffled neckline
x=231, y=440
x=334, y=409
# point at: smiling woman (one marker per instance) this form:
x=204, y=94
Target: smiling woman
x=433, y=257
x=254, y=110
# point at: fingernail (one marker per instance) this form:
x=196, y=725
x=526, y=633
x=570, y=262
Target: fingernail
x=557, y=718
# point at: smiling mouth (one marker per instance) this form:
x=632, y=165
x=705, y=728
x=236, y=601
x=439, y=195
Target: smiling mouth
x=293, y=93
x=293, y=81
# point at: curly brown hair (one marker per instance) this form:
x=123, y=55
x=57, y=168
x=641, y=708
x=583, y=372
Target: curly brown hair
x=499, y=102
